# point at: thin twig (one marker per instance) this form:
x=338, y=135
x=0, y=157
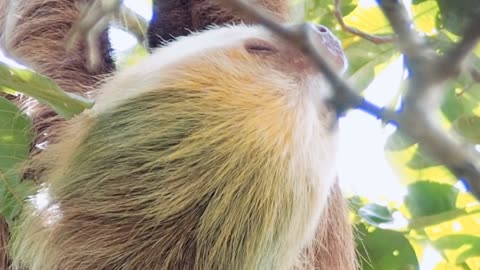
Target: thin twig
x=95, y=17
x=131, y=22
x=355, y=31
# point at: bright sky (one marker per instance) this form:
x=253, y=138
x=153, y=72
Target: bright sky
x=362, y=164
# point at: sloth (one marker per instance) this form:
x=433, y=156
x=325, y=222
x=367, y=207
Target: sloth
x=215, y=152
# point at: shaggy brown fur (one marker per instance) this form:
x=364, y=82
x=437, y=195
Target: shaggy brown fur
x=336, y=248
x=209, y=12
x=35, y=36
x=3, y=244
x=333, y=248
x=173, y=18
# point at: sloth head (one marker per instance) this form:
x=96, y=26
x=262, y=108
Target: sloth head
x=233, y=57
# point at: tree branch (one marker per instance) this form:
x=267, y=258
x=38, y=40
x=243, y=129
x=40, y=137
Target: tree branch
x=409, y=42
x=95, y=18
x=425, y=93
x=131, y=22
x=423, y=96
x=354, y=31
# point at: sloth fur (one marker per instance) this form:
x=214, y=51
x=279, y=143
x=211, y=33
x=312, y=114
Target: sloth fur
x=216, y=152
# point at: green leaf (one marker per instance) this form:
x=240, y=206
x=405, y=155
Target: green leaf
x=462, y=95
x=420, y=161
x=369, y=19
x=470, y=244
x=320, y=11
x=348, y=7
x=384, y=250
x=455, y=15
x=425, y=17
x=456, y=102
x=355, y=203
x=416, y=2
x=426, y=198
x=468, y=126
x=16, y=136
x=375, y=214
x=13, y=193
x=398, y=142
x=43, y=89
x=367, y=59
x=364, y=58
x=131, y=57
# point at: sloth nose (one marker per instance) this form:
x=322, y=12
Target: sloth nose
x=322, y=29
x=326, y=42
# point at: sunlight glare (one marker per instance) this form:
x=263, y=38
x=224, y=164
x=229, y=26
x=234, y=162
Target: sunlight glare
x=430, y=258
x=385, y=86
x=121, y=41
x=142, y=7
x=9, y=62
x=44, y=207
x=362, y=163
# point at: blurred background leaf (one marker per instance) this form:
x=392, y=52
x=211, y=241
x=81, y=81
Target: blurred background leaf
x=43, y=89
x=16, y=136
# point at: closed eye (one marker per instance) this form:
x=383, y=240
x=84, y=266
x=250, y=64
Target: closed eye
x=260, y=47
